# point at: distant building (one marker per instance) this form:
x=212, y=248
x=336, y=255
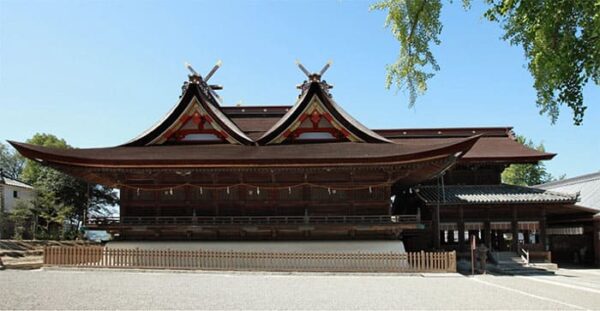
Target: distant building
x=578, y=237
x=12, y=191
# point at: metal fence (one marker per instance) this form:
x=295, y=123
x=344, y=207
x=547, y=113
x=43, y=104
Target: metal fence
x=102, y=257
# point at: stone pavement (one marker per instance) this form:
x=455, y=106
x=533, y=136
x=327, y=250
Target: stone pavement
x=105, y=289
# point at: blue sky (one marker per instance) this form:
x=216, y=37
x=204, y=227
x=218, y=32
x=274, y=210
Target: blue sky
x=98, y=73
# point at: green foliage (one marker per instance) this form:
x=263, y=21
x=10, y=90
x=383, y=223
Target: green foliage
x=4, y=221
x=33, y=170
x=527, y=174
x=415, y=24
x=20, y=215
x=11, y=163
x=560, y=38
x=59, y=197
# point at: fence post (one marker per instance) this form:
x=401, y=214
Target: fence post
x=453, y=257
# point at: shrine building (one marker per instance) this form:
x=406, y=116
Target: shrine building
x=311, y=171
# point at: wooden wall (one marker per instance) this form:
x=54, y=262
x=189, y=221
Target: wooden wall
x=246, y=201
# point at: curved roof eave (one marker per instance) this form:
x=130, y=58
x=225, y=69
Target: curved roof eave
x=236, y=155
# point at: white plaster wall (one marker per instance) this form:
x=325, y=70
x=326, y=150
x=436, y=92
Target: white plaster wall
x=10, y=202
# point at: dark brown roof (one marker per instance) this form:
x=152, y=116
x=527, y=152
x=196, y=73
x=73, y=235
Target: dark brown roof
x=497, y=144
x=255, y=111
x=446, y=132
x=255, y=125
x=315, y=154
x=488, y=149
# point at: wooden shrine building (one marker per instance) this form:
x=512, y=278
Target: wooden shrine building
x=311, y=171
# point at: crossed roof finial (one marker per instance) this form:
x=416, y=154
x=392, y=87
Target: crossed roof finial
x=314, y=76
x=195, y=76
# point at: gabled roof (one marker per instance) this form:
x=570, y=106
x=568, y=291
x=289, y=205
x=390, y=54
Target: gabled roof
x=13, y=182
x=315, y=97
x=587, y=186
x=198, y=97
x=490, y=194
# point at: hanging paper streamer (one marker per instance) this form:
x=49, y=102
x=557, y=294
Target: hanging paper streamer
x=257, y=190
x=370, y=190
x=227, y=190
x=289, y=190
x=171, y=191
x=138, y=192
x=329, y=190
x=201, y=191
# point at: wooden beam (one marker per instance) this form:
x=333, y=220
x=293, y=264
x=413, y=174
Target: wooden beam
x=514, y=228
x=461, y=229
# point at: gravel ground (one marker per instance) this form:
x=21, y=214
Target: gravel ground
x=105, y=289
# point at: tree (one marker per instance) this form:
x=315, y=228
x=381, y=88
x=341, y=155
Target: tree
x=11, y=163
x=527, y=174
x=33, y=170
x=560, y=38
x=20, y=215
x=60, y=197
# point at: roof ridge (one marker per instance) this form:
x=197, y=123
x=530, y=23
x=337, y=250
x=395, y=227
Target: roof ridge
x=572, y=180
x=568, y=195
x=498, y=193
x=4, y=178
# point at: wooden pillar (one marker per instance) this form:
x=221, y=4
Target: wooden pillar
x=461, y=229
x=487, y=233
x=188, y=201
x=215, y=197
x=597, y=240
x=543, y=237
x=514, y=229
x=122, y=206
x=435, y=227
x=157, y=203
x=487, y=229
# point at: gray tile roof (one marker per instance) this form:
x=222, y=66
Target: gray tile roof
x=12, y=182
x=491, y=194
x=587, y=186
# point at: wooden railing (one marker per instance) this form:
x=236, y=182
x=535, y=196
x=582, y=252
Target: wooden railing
x=537, y=252
x=102, y=257
x=251, y=220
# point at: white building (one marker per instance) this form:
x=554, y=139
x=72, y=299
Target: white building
x=12, y=191
x=587, y=187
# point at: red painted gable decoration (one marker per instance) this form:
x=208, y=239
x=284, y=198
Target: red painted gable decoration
x=316, y=126
x=196, y=128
